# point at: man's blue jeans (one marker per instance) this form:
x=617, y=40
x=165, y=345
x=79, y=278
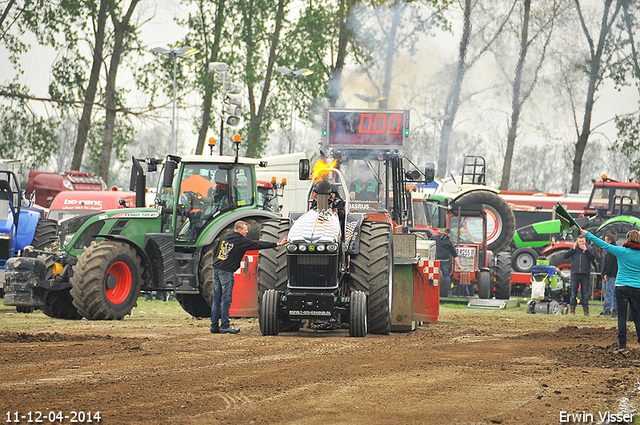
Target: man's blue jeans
x=583, y=280
x=445, y=274
x=610, y=296
x=222, y=293
x=627, y=295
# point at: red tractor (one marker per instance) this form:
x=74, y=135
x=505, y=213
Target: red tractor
x=350, y=259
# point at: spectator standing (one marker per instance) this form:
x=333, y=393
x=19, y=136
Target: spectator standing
x=230, y=252
x=609, y=272
x=445, y=250
x=627, y=282
x=581, y=256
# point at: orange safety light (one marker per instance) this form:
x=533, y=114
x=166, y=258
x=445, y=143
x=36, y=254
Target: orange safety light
x=57, y=268
x=236, y=138
x=415, y=188
x=273, y=179
x=212, y=141
x=284, y=181
x=114, y=188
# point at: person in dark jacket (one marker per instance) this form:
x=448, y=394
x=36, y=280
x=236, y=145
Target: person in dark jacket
x=445, y=250
x=230, y=252
x=581, y=256
x=627, y=282
x=609, y=272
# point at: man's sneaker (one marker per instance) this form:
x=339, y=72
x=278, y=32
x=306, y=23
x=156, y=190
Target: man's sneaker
x=621, y=350
x=229, y=330
x=605, y=314
x=214, y=330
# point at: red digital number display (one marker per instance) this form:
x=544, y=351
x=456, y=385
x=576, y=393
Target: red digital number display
x=366, y=128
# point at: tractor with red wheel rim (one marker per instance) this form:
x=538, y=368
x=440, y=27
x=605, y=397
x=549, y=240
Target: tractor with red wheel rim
x=103, y=260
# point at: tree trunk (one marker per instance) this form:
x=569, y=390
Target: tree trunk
x=453, y=99
x=92, y=87
x=516, y=102
x=344, y=35
x=595, y=78
x=207, y=99
x=391, y=51
x=121, y=29
x=254, y=136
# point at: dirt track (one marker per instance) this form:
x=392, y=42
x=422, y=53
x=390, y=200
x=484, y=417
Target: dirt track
x=473, y=367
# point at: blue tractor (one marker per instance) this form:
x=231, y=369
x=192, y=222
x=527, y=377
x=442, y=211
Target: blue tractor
x=20, y=226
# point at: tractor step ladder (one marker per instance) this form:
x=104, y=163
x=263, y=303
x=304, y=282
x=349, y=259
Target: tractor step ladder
x=492, y=304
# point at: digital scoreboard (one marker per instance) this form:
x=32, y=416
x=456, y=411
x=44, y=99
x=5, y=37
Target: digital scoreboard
x=365, y=128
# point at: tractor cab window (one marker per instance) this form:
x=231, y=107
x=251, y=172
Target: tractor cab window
x=365, y=180
x=419, y=213
x=467, y=229
x=625, y=201
x=267, y=198
x=207, y=190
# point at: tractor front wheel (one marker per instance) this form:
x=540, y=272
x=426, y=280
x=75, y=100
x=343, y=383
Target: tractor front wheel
x=484, y=285
x=269, y=321
x=371, y=273
x=503, y=276
x=106, y=280
x=358, y=314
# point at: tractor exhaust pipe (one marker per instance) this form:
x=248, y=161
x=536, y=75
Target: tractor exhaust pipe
x=323, y=188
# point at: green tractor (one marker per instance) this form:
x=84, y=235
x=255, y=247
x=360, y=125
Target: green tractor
x=613, y=207
x=101, y=262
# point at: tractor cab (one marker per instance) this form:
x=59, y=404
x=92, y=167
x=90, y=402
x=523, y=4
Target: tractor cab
x=611, y=198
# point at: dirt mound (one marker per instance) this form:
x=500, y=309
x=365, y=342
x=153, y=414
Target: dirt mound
x=17, y=337
x=588, y=355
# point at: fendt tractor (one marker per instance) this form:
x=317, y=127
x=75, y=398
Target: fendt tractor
x=103, y=260
x=350, y=259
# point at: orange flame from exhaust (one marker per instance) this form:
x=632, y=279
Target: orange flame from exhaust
x=321, y=168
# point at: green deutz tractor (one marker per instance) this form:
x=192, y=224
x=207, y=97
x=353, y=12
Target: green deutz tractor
x=101, y=262
x=613, y=207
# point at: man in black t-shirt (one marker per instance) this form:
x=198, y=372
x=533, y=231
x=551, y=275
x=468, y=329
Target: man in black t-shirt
x=230, y=251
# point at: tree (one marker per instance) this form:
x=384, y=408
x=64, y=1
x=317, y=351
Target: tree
x=122, y=30
x=595, y=70
x=464, y=63
x=543, y=28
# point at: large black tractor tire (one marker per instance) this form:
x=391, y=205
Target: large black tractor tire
x=59, y=305
x=46, y=234
x=199, y=305
x=523, y=259
x=106, y=280
x=557, y=259
x=503, y=275
x=268, y=315
x=371, y=273
x=495, y=205
x=358, y=314
x=272, y=268
x=484, y=285
x=619, y=230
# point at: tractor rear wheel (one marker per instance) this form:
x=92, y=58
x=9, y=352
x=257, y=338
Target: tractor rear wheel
x=557, y=259
x=503, y=276
x=484, y=285
x=46, y=234
x=199, y=305
x=106, y=280
x=272, y=268
x=498, y=213
x=268, y=315
x=371, y=273
x=358, y=314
